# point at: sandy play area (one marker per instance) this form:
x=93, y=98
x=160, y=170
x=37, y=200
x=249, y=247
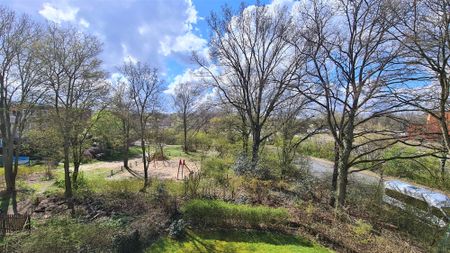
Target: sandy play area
x=158, y=169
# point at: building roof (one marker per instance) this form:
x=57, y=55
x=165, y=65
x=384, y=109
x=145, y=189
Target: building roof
x=433, y=198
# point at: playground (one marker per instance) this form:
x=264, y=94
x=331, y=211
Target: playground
x=175, y=168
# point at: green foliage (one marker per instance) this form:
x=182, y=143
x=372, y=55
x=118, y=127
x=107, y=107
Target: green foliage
x=192, y=185
x=269, y=167
x=215, y=167
x=444, y=243
x=362, y=230
x=200, y=141
x=224, y=147
x=66, y=235
x=107, y=129
x=45, y=142
x=222, y=214
x=318, y=147
x=24, y=170
x=217, y=178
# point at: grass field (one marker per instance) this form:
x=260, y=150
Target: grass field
x=236, y=242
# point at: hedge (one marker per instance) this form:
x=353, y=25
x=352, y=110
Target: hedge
x=222, y=214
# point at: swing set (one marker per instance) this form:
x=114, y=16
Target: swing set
x=181, y=166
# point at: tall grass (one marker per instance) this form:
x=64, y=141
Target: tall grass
x=222, y=214
x=317, y=147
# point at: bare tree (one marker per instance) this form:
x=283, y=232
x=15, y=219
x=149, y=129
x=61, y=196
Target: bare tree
x=352, y=68
x=186, y=100
x=20, y=87
x=122, y=108
x=255, y=64
x=297, y=125
x=423, y=28
x=144, y=87
x=74, y=76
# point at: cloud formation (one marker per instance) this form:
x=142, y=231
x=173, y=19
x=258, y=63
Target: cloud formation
x=149, y=31
x=65, y=13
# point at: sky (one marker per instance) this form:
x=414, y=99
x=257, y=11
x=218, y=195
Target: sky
x=162, y=33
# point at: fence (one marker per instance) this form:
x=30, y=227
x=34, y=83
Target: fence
x=14, y=222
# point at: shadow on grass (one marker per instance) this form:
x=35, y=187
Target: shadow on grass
x=232, y=241
x=254, y=237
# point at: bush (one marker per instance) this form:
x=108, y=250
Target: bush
x=242, y=165
x=318, y=147
x=177, y=229
x=127, y=243
x=222, y=214
x=215, y=167
x=66, y=235
x=269, y=167
x=362, y=231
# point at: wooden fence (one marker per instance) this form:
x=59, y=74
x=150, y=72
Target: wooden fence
x=14, y=222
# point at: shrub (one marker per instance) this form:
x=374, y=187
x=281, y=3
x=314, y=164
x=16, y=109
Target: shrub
x=318, y=147
x=127, y=242
x=269, y=167
x=218, y=174
x=220, y=214
x=258, y=189
x=242, y=165
x=192, y=185
x=362, y=231
x=177, y=229
x=67, y=235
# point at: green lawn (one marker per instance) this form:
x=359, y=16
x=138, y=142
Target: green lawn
x=176, y=151
x=236, y=241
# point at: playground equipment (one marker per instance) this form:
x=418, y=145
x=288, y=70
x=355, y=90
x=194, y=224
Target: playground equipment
x=181, y=166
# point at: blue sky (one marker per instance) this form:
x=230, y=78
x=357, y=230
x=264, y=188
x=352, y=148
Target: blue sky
x=160, y=32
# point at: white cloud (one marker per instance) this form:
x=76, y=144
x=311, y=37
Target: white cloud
x=187, y=42
x=127, y=57
x=192, y=15
x=196, y=76
x=65, y=13
x=83, y=22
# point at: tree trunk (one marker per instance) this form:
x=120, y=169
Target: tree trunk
x=126, y=149
x=76, y=163
x=342, y=181
x=443, y=102
x=10, y=175
x=255, y=147
x=244, y=143
x=335, y=175
x=68, y=185
x=245, y=136
x=76, y=168
x=126, y=144
x=144, y=161
x=185, y=148
x=443, y=162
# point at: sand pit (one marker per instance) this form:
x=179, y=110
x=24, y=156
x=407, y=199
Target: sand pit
x=158, y=169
